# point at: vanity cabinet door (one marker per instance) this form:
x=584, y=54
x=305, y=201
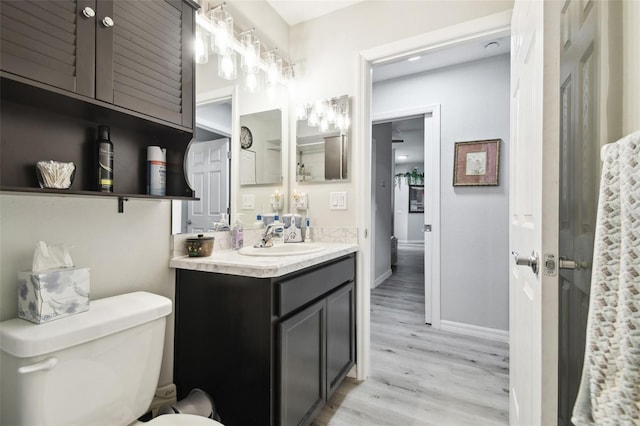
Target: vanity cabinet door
x=341, y=340
x=50, y=42
x=302, y=386
x=144, y=62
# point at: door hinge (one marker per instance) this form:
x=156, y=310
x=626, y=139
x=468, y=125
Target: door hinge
x=426, y=228
x=366, y=233
x=228, y=155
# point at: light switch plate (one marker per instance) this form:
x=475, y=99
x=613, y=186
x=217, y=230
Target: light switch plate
x=248, y=201
x=338, y=201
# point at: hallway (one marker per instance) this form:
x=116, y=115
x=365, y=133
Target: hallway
x=421, y=376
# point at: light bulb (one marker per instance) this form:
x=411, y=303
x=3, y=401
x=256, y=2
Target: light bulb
x=301, y=112
x=324, y=124
x=201, y=49
x=252, y=82
x=227, y=66
x=312, y=121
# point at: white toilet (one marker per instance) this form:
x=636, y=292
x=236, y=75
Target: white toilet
x=99, y=367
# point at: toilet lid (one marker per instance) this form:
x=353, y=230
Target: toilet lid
x=182, y=420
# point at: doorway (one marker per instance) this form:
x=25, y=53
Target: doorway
x=494, y=26
x=414, y=145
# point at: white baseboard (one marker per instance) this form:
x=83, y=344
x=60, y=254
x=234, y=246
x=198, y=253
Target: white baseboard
x=475, y=330
x=411, y=242
x=381, y=278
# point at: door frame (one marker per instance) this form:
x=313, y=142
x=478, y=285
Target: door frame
x=495, y=25
x=431, y=144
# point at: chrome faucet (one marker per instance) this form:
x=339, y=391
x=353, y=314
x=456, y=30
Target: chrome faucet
x=267, y=237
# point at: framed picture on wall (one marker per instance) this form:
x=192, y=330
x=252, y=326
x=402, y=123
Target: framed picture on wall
x=416, y=198
x=476, y=163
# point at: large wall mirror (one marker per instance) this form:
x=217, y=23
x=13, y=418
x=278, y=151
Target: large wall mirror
x=261, y=148
x=322, y=141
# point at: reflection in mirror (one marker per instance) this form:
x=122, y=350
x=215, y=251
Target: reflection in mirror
x=207, y=167
x=261, y=143
x=322, y=141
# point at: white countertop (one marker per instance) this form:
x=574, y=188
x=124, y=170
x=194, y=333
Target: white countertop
x=232, y=263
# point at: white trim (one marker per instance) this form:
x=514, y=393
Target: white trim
x=475, y=330
x=496, y=24
x=411, y=243
x=382, y=278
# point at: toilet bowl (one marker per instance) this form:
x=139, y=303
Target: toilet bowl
x=99, y=367
x=179, y=420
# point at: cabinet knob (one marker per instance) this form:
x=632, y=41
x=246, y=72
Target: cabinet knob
x=107, y=22
x=88, y=12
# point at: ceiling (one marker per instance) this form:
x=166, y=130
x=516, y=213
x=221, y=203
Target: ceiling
x=297, y=11
x=440, y=58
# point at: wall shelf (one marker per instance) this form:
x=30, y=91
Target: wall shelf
x=77, y=193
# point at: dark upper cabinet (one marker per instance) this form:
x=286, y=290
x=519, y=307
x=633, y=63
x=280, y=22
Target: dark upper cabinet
x=130, y=53
x=51, y=42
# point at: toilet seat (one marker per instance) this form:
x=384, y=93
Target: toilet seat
x=182, y=420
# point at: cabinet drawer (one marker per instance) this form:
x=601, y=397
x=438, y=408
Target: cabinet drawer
x=295, y=292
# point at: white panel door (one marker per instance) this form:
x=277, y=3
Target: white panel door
x=533, y=213
x=209, y=170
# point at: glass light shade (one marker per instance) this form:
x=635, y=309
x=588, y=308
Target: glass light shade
x=274, y=68
x=250, y=53
x=251, y=82
x=330, y=113
x=227, y=66
x=313, y=119
x=222, y=37
x=301, y=112
x=201, y=46
x=324, y=124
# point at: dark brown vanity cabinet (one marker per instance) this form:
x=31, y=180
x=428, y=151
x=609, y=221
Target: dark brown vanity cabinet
x=270, y=351
x=133, y=54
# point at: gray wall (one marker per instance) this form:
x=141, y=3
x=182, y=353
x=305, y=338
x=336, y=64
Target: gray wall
x=474, y=99
x=383, y=182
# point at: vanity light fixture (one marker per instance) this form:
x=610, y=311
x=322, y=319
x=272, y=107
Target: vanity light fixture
x=215, y=28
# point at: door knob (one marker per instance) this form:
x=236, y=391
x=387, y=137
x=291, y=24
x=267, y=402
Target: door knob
x=531, y=261
x=565, y=263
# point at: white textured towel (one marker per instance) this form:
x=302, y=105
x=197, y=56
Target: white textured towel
x=609, y=391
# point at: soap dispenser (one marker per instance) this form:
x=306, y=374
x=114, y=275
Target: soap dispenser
x=237, y=234
x=223, y=225
x=278, y=231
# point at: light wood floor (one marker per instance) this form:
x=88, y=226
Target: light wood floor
x=421, y=376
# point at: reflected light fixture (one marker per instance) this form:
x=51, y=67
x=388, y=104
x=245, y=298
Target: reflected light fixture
x=324, y=113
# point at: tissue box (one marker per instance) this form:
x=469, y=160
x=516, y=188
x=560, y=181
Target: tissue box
x=53, y=294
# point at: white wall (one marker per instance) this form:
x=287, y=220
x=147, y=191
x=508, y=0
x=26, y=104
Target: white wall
x=631, y=66
x=325, y=51
x=474, y=99
x=125, y=252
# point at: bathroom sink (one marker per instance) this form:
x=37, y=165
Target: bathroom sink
x=283, y=250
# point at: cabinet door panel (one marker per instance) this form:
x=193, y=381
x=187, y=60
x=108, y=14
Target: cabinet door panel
x=144, y=69
x=340, y=336
x=49, y=42
x=302, y=373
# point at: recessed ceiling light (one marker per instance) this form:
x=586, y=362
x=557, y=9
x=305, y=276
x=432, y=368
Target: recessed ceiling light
x=402, y=157
x=492, y=45
x=413, y=58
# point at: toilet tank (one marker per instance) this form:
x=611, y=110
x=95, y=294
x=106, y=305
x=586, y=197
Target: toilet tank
x=99, y=367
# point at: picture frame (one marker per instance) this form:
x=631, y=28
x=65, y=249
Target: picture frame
x=416, y=198
x=477, y=163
